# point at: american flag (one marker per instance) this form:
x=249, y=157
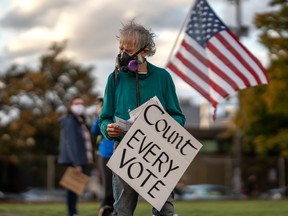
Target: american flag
x=212, y=60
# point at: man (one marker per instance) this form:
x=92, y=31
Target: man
x=105, y=151
x=134, y=82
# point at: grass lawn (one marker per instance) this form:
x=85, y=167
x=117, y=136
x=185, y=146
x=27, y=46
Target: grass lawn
x=194, y=208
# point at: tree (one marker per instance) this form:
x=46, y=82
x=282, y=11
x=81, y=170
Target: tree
x=263, y=115
x=33, y=100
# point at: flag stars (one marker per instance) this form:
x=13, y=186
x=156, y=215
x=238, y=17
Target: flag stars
x=203, y=23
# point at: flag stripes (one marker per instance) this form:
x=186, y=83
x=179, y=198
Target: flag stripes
x=216, y=68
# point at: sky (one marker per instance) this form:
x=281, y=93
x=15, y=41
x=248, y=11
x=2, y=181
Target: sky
x=29, y=27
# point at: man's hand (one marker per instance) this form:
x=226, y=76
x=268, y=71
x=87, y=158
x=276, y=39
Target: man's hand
x=113, y=130
x=78, y=169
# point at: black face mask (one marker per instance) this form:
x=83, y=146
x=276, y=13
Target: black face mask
x=124, y=59
x=129, y=63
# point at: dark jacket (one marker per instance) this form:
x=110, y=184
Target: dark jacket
x=72, y=150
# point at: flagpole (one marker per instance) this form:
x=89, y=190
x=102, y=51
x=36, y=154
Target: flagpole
x=178, y=36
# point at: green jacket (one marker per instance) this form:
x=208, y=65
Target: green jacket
x=120, y=97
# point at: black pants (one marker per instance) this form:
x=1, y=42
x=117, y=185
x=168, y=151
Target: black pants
x=106, y=178
x=72, y=198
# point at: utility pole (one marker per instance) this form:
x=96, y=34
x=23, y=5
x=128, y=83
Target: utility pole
x=238, y=18
x=239, y=31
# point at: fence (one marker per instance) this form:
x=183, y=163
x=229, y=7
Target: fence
x=19, y=173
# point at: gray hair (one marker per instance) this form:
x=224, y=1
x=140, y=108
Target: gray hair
x=143, y=37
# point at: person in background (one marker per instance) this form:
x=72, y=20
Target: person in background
x=75, y=145
x=105, y=151
x=133, y=82
x=251, y=189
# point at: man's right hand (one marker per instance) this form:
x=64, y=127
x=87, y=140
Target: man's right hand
x=113, y=130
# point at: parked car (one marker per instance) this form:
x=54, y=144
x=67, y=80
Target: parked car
x=205, y=192
x=276, y=193
x=52, y=195
x=2, y=195
x=43, y=195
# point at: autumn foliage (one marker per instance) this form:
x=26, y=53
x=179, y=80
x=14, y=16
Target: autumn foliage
x=32, y=100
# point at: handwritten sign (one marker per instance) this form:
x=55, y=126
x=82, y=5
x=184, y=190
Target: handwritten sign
x=154, y=154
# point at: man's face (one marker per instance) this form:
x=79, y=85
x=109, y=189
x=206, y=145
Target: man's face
x=99, y=108
x=78, y=101
x=128, y=45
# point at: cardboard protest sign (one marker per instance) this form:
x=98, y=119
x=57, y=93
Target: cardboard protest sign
x=75, y=182
x=154, y=154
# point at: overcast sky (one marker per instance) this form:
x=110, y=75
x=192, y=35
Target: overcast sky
x=28, y=27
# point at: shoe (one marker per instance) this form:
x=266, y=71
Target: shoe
x=105, y=211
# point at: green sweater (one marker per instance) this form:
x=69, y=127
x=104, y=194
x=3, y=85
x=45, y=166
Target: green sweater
x=120, y=97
